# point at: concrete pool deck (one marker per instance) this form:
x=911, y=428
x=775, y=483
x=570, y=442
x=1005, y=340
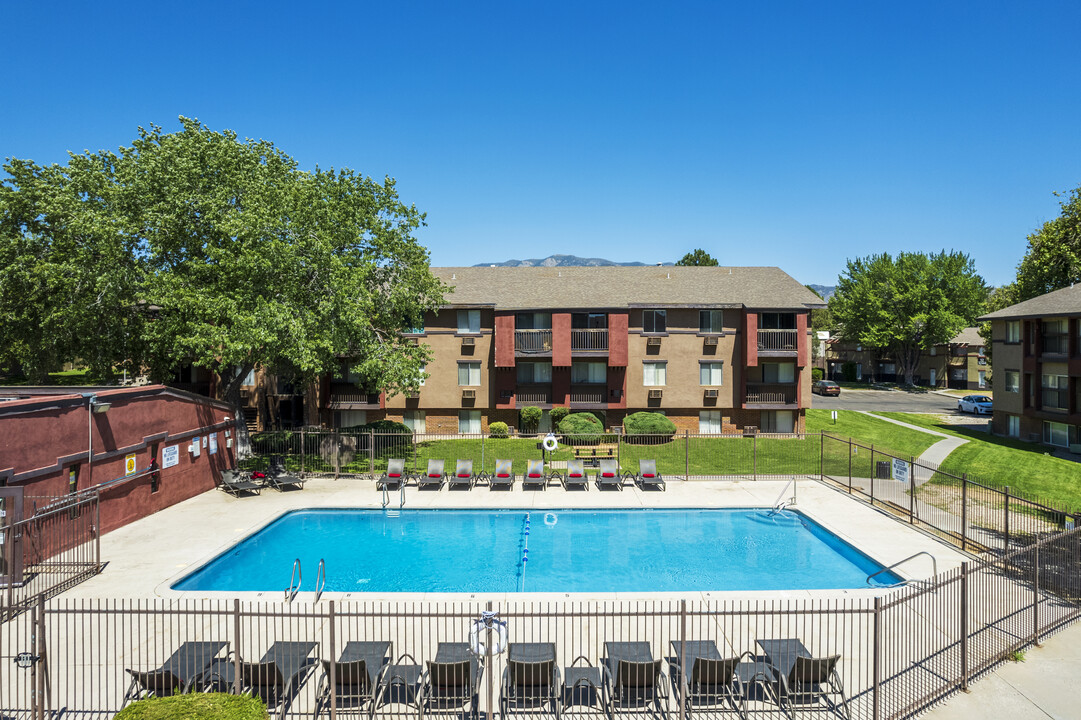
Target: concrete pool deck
x=144, y=558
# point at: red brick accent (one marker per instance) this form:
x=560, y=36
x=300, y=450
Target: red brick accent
x=750, y=339
x=504, y=380
x=504, y=340
x=617, y=339
x=617, y=383
x=561, y=340
x=803, y=357
x=561, y=383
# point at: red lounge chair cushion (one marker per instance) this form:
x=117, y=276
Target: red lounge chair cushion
x=576, y=475
x=534, y=475
x=394, y=474
x=608, y=474
x=648, y=475
x=502, y=475
x=463, y=475
x=434, y=475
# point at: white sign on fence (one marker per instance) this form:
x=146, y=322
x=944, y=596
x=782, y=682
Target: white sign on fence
x=170, y=456
x=213, y=443
x=900, y=470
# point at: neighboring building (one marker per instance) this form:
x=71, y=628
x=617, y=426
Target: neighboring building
x=716, y=349
x=1037, y=380
x=959, y=364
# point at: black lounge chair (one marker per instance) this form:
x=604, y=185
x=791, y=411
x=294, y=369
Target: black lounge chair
x=799, y=680
x=576, y=476
x=278, y=477
x=463, y=475
x=355, y=677
x=184, y=671
x=503, y=476
x=608, y=474
x=531, y=680
x=712, y=680
x=648, y=475
x=399, y=684
x=395, y=475
x=633, y=679
x=276, y=679
x=452, y=681
x=234, y=484
x=534, y=475
x=434, y=476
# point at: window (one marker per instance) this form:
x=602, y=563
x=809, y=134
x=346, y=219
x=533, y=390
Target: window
x=468, y=321
x=352, y=418
x=711, y=373
x=416, y=328
x=1013, y=331
x=589, y=321
x=1055, y=336
x=534, y=372
x=1013, y=381
x=1054, y=391
x=710, y=422
x=981, y=377
x=654, y=373
x=776, y=321
x=469, y=373
x=1057, y=434
x=1013, y=425
x=711, y=321
x=654, y=321
x=414, y=420
x=592, y=373
x=777, y=421
x=533, y=321
x=468, y=421
x=779, y=372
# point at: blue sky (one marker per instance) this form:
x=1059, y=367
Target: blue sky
x=796, y=134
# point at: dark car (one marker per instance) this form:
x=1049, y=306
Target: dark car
x=826, y=387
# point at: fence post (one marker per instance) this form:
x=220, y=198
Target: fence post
x=371, y=454
x=490, y=671
x=964, y=511
x=754, y=455
x=876, y=666
x=303, y=450
x=333, y=666
x=821, y=455
x=97, y=530
x=873, y=473
x=37, y=707
x=1036, y=596
x=912, y=490
x=682, y=655
x=849, y=466
x=337, y=437
x=1006, y=508
x=964, y=626
x=236, y=646
x=482, y=438
x=687, y=454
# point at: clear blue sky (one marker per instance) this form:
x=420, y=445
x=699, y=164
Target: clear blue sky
x=794, y=133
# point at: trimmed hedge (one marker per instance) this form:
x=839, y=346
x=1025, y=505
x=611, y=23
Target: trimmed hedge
x=528, y=418
x=648, y=427
x=581, y=429
x=498, y=430
x=558, y=413
x=196, y=706
x=818, y=374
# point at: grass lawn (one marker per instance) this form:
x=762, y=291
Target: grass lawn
x=998, y=461
x=868, y=430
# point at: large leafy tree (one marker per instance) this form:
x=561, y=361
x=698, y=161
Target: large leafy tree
x=1053, y=258
x=234, y=258
x=906, y=304
x=698, y=257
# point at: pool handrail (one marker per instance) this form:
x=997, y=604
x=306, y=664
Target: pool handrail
x=320, y=579
x=934, y=569
x=295, y=581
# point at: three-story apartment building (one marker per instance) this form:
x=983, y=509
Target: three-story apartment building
x=715, y=349
x=1037, y=379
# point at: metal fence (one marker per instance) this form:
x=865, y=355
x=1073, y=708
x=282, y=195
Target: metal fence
x=878, y=657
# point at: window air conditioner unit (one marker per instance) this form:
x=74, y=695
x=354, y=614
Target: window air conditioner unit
x=712, y=393
x=655, y=394
x=469, y=394
x=653, y=341
x=711, y=340
x=468, y=341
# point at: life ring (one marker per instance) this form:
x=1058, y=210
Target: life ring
x=550, y=443
x=550, y=519
x=478, y=635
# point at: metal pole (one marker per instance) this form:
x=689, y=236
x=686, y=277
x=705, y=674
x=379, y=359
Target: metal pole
x=236, y=648
x=821, y=455
x=964, y=511
x=1036, y=596
x=754, y=455
x=333, y=666
x=912, y=491
x=876, y=665
x=687, y=454
x=371, y=455
x=303, y=450
x=1006, y=507
x=97, y=529
x=682, y=656
x=964, y=626
x=873, y=473
x=89, y=442
x=35, y=699
x=849, y=466
x=489, y=671
x=337, y=453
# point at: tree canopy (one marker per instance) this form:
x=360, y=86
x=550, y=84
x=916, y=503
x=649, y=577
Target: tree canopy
x=1053, y=258
x=198, y=247
x=698, y=257
x=906, y=304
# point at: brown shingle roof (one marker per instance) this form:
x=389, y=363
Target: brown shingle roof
x=543, y=288
x=968, y=336
x=1066, y=301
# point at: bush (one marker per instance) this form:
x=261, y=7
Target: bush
x=648, y=427
x=581, y=429
x=196, y=706
x=385, y=436
x=558, y=414
x=818, y=374
x=528, y=418
x=498, y=430
x=848, y=371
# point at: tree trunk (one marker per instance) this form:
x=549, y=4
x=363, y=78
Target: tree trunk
x=231, y=395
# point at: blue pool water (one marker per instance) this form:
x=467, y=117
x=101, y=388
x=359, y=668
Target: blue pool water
x=568, y=551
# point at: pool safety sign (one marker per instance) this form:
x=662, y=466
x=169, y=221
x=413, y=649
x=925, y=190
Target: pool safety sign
x=170, y=456
x=214, y=444
x=900, y=470
x=129, y=464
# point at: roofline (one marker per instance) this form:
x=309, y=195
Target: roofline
x=63, y=397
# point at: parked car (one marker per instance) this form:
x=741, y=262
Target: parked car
x=975, y=404
x=826, y=387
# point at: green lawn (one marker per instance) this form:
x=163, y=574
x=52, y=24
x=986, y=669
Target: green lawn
x=865, y=429
x=998, y=461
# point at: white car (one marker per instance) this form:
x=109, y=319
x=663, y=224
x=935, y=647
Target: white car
x=975, y=404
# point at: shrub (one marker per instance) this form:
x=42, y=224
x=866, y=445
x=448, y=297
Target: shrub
x=817, y=374
x=498, y=430
x=648, y=427
x=528, y=418
x=196, y=706
x=581, y=429
x=848, y=371
x=558, y=413
x=391, y=436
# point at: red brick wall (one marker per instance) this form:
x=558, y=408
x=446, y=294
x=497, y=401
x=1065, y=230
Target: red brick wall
x=617, y=339
x=504, y=340
x=561, y=339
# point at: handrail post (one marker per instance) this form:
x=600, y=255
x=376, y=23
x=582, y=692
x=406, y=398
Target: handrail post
x=236, y=649
x=876, y=665
x=333, y=665
x=964, y=626
x=682, y=656
x=1036, y=595
x=964, y=511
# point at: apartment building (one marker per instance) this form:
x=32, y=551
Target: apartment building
x=960, y=363
x=1037, y=380
x=715, y=349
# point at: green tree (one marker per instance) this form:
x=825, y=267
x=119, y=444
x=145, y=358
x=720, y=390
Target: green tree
x=908, y=303
x=1053, y=258
x=698, y=257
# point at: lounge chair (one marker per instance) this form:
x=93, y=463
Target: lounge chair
x=463, y=475
x=278, y=477
x=451, y=681
x=393, y=478
x=798, y=680
x=434, y=476
x=576, y=476
x=633, y=679
x=399, y=684
x=534, y=475
x=184, y=671
x=648, y=475
x=276, y=679
x=608, y=474
x=531, y=680
x=234, y=484
x=355, y=675
x=503, y=476
x=712, y=680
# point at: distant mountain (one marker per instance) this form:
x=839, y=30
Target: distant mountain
x=564, y=261
x=824, y=290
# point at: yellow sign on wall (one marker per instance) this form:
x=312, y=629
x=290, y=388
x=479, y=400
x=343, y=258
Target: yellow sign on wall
x=129, y=464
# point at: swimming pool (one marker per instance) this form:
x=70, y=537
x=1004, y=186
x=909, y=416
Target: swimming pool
x=567, y=551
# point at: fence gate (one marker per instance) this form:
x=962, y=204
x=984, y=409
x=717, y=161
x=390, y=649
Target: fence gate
x=11, y=556
x=24, y=687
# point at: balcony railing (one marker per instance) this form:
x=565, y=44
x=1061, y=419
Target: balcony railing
x=533, y=341
x=589, y=394
x=771, y=393
x=533, y=394
x=589, y=340
x=780, y=340
x=347, y=400
x=1056, y=344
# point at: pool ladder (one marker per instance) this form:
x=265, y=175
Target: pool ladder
x=296, y=579
x=782, y=503
x=934, y=570
x=320, y=579
x=386, y=496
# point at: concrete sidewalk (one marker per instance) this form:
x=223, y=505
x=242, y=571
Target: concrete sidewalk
x=934, y=455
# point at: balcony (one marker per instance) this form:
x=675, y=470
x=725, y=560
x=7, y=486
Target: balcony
x=589, y=394
x=780, y=342
x=533, y=342
x=779, y=394
x=353, y=401
x=533, y=394
x=592, y=340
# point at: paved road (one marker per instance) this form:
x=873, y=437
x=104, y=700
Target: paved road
x=886, y=401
